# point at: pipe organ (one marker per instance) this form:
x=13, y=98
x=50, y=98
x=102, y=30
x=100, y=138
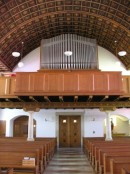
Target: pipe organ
x=84, y=52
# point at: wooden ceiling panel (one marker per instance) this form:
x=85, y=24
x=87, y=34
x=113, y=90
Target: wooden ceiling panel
x=29, y=21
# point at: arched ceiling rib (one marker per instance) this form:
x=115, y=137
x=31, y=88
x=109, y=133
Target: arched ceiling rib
x=29, y=21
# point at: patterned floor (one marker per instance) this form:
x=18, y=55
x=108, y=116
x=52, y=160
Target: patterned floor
x=69, y=161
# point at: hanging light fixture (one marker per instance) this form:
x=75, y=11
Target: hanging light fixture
x=122, y=53
x=68, y=53
x=20, y=64
x=16, y=53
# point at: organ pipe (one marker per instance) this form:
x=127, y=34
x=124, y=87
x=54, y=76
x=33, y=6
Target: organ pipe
x=84, y=52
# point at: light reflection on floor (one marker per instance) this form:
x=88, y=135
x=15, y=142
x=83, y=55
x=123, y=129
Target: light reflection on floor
x=69, y=161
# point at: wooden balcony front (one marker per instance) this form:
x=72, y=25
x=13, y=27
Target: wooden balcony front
x=56, y=88
x=76, y=82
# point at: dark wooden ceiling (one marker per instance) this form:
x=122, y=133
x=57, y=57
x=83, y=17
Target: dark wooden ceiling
x=29, y=21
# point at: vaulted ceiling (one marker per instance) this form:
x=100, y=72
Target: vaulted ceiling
x=29, y=21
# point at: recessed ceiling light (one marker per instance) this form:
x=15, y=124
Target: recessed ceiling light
x=68, y=53
x=122, y=53
x=16, y=54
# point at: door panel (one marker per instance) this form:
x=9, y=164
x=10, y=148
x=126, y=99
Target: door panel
x=20, y=128
x=70, y=131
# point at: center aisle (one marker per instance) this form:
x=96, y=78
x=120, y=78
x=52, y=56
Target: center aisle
x=69, y=161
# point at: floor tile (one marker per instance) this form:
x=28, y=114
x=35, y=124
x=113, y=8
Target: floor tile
x=69, y=161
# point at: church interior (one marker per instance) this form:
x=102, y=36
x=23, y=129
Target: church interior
x=65, y=86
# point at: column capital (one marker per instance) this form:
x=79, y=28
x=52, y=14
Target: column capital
x=31, y=109
x=107, y=109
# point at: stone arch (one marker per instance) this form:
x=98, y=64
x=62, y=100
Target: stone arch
x=121, y=125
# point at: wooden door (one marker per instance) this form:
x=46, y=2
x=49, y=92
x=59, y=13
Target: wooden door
x=2, y=128
x=20, y=128
x=69, y=131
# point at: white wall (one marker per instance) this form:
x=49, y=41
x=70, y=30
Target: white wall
x=31, y=62
x=107, y=62
x=47, y=121
x=121, y=126
x=93, y=128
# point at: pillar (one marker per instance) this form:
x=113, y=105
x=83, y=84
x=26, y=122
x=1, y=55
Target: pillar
x=108, y=127
x=30, y=126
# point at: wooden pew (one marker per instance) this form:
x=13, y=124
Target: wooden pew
x=13, y=160
x=24, y=148
x=95, y=147
x=87, y=143
x=108, y=157
x=102, y=150
x=117, y=165
x=51, y=143
x=125, y=170
x=47, y=147
x=100, y=161
x=100, y=144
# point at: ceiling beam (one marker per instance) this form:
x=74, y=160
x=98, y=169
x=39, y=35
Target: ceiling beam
x=75, y=98
x=104, y=98
x=90, y=98
x=46, y=99
x=117, y=99
x=21, y=100
x=32, y=98
x=62, y=105
x=61, y=99
x=7, y=100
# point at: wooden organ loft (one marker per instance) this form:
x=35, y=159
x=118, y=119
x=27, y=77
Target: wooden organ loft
x=64, y=81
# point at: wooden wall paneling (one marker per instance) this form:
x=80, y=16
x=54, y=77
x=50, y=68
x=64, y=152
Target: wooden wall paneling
x=54, y=82
x=85, y=82
x=2, y=85
x=37, y=81
x=115, y=82
x=22, y=82
x=7, y=85
x=20, y=127
x=100, y=83
x=60, y=82
x=125, y=84
x=2, y=128
x=12, y=84
x=128, y=79
x=70, y=82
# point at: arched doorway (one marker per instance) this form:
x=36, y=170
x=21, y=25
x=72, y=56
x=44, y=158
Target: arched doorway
x=121, y=125
x=20, y=128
